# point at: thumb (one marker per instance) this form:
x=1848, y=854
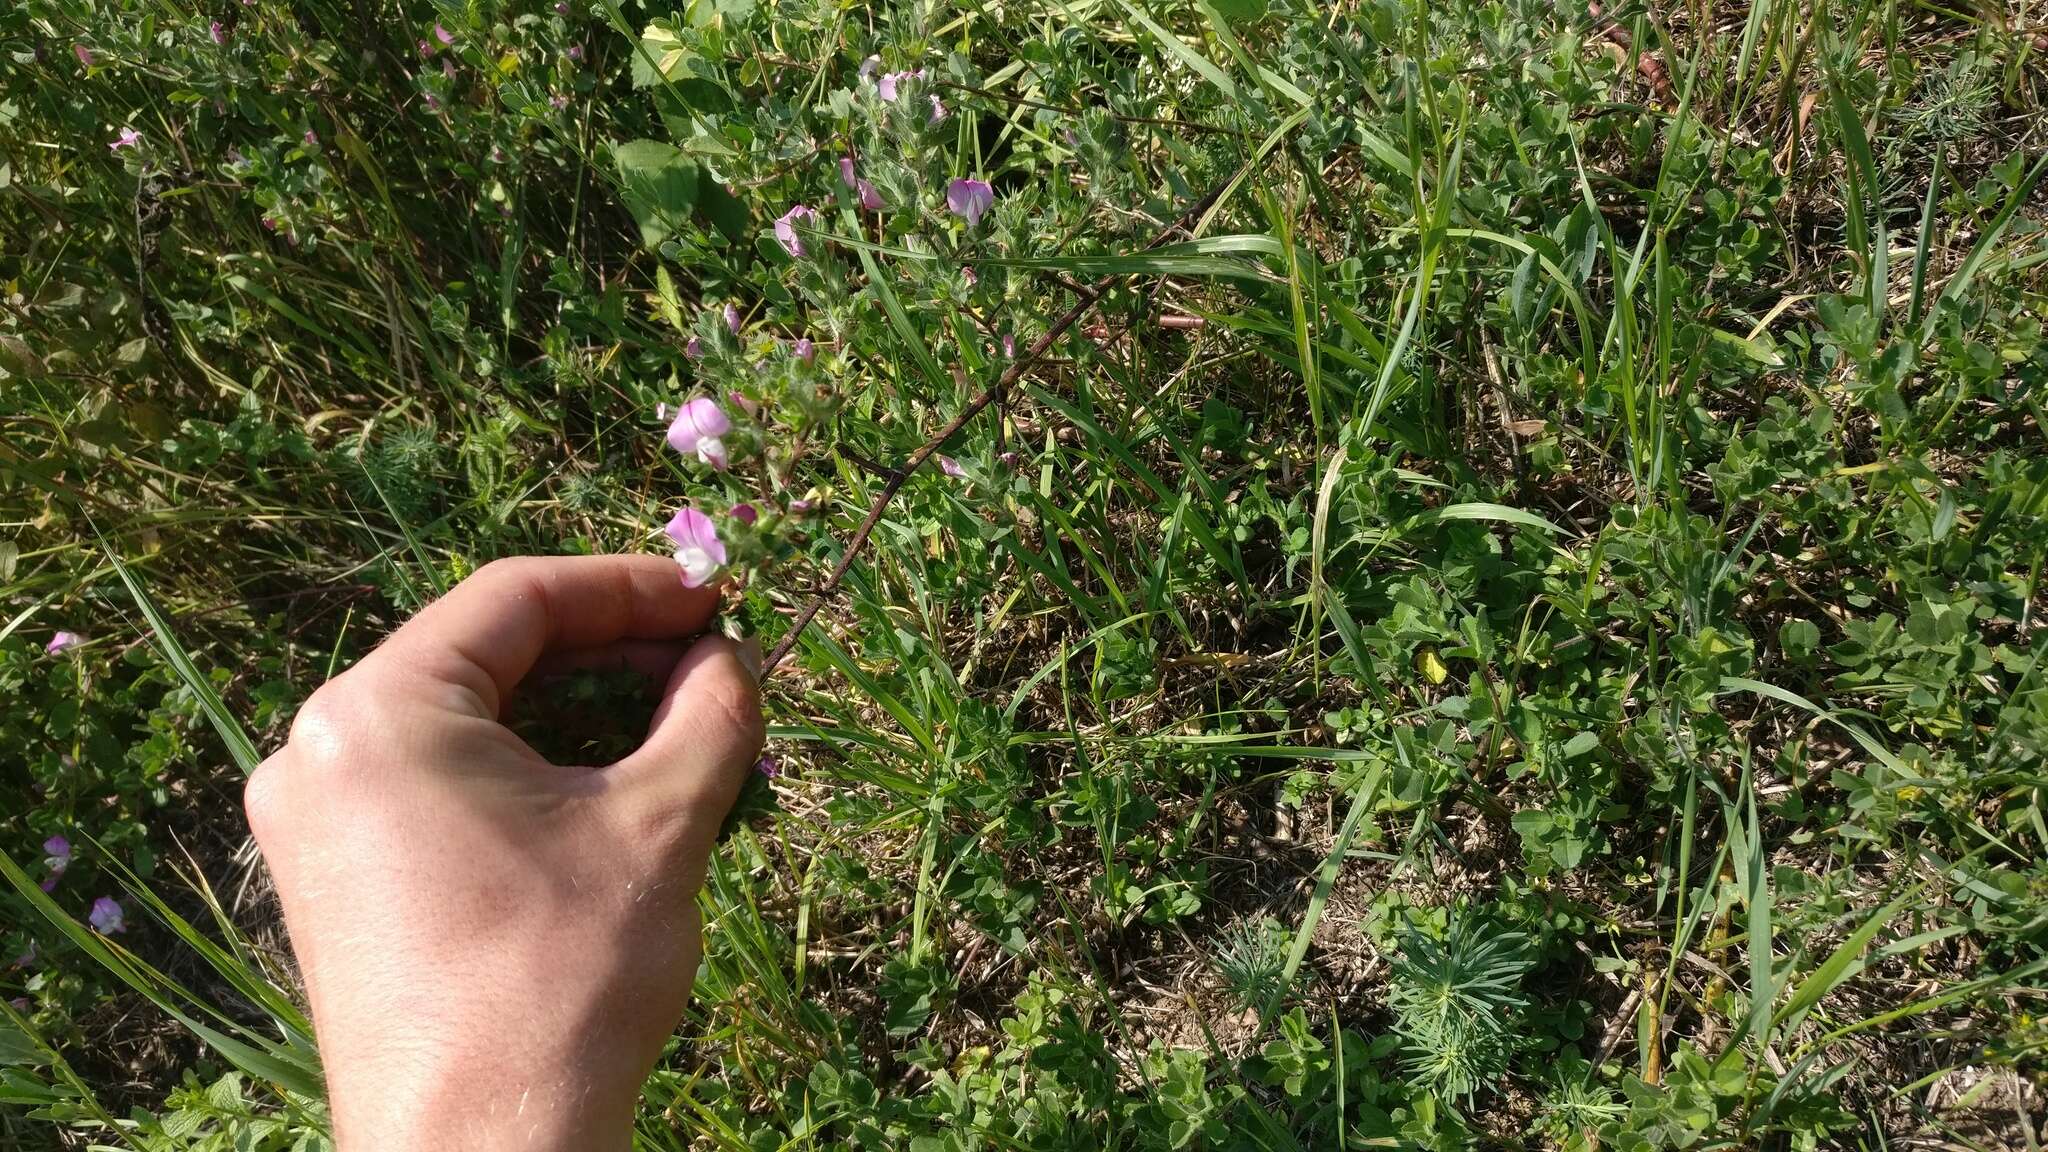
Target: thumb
x=704, y=739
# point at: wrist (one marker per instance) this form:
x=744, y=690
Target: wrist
x=499, y=1103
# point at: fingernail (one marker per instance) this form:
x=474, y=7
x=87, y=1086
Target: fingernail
x=750, y=655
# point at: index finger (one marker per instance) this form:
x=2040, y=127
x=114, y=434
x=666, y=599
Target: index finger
x=487, y=634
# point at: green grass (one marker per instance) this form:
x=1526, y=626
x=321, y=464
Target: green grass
x=1571, y=480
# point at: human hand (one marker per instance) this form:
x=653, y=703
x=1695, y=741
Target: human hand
x=495, y=947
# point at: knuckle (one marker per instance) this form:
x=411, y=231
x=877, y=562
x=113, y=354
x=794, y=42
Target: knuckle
x=339, y=725
x=263, y=802
x=507, y=570
x=322, y=722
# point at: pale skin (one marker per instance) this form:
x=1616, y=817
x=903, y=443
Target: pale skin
x=495, y=947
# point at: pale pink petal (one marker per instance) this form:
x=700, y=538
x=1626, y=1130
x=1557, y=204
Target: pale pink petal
x=786, y=228
x=697, y=421
x=968, y=199
x=106, y=916
x=699, y=552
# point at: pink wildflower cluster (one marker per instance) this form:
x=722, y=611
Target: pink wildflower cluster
x=702, y=427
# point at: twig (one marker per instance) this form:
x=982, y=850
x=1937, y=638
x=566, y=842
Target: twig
x=1089, y=295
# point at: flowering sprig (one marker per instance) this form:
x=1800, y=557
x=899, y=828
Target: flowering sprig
x=757, y=400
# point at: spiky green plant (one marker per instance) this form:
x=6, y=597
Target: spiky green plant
x=1575, y=1105
x=1252, y=960
x=1456, y=999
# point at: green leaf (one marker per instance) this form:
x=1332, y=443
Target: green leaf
x=1845, y=961
x=224, y=723
x=1480, y=510
x=661, y=55
x=1202, y=65
x=1240, y=11
x=658, y=184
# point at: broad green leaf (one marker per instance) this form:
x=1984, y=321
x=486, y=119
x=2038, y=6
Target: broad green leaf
x=658, y=184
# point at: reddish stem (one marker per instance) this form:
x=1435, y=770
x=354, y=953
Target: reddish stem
x=1088, y=297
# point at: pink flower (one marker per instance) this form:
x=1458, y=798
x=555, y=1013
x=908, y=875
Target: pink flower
x=698, y=427
x=889, y=82
x=968, y=199
x=699, y=552
x=968, y=274
x=219, y=34
x=83, y=53
x=768, y=766
x=426, y=49
x=785, y=228
x=106, y=916
x=846, y=176
x=694, y=349
x=57, y=856
x=61, y=641
x=938, y=110
x=951, y=467
x=743, y=402
x=801, y=505
x=732, y=319
x=869, y=198
x=447, y=68
x=805, y=350
x=745, y=513
x=443, y=35
x=128, y=138
x=311, y=138
x=1009, y=346
x=575, y=51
